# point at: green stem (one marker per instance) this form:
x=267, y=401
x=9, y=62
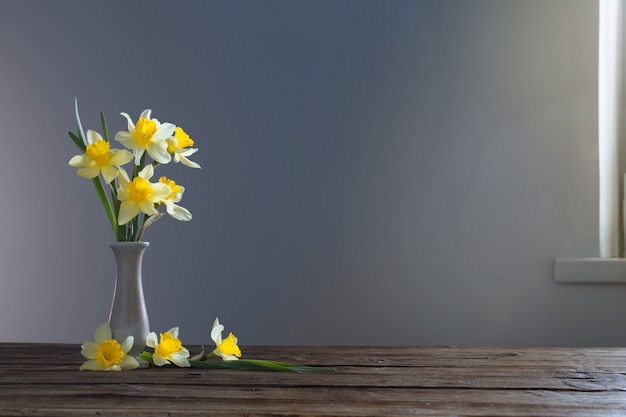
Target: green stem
x=143, y=227
x=135, y=223
x=106, y=205
x=121, y=230
x=146, y=356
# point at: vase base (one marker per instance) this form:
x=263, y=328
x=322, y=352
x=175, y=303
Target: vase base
x=142, y=363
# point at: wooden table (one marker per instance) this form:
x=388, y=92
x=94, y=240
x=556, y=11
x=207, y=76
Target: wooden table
x=44, y=380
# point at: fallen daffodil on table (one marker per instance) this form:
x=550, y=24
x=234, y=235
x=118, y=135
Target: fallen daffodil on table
x=169, y=351
x=227, y=349
x=132, y=201
x=106, y=353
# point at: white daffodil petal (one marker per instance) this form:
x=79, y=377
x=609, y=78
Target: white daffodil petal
x=122, y=194
x=146, y=114
x=138, y=152
x=165, y=131
x=81, y=161
x=125, y=138
x=131, y=124
x=178, y=212
x=187, y=162
x=187, y=152
x=121, y=157
x=216, y=334
x=88, y=172
x=180, y=359
x=127, y=344
x=124, y=180
x=109, y=173
x=159, y=360
x=147, y=172
x=158, y=152
x=152, y=340
x=146, y=207
x=93, y=137
x=91, y=365
x=128, y=210
x=199, y=356
x=173, y=331
x=90, y=350
x=128, y=141
x=103, y=332
x=160, y=191
x=129, y=363
x=174, y=198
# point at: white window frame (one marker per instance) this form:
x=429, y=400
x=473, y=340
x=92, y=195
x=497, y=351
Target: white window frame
x=610, y=267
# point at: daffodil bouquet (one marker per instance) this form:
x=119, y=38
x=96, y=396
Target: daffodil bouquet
x=132, y=195
x=128, y=198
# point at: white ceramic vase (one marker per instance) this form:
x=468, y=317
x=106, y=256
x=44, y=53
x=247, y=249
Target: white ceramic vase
x=129, y=316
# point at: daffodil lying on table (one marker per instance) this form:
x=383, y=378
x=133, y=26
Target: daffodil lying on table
x=108, y=354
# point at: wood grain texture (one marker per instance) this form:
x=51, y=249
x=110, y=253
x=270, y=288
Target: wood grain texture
x=44, y=380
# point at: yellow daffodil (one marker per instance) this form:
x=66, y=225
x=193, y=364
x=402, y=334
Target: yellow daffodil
x=139, y=195
x=100, y=158
x=148, y=135
x=169, y=349
x=173, y=209
x=179, y=146
x=106, y=353
x=227, y=349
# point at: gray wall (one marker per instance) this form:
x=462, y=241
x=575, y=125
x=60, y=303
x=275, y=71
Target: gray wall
x=374, y=172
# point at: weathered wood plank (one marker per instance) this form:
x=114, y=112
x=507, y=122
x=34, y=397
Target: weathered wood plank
x=357, y=377
x=121, y=400
x=43, y=379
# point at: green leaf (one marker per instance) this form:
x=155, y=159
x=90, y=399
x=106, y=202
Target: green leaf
x=259, y=365
x=78, y=142
x=248, y=365
x=105, y=130
x=106, y=205
x=78, y=123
